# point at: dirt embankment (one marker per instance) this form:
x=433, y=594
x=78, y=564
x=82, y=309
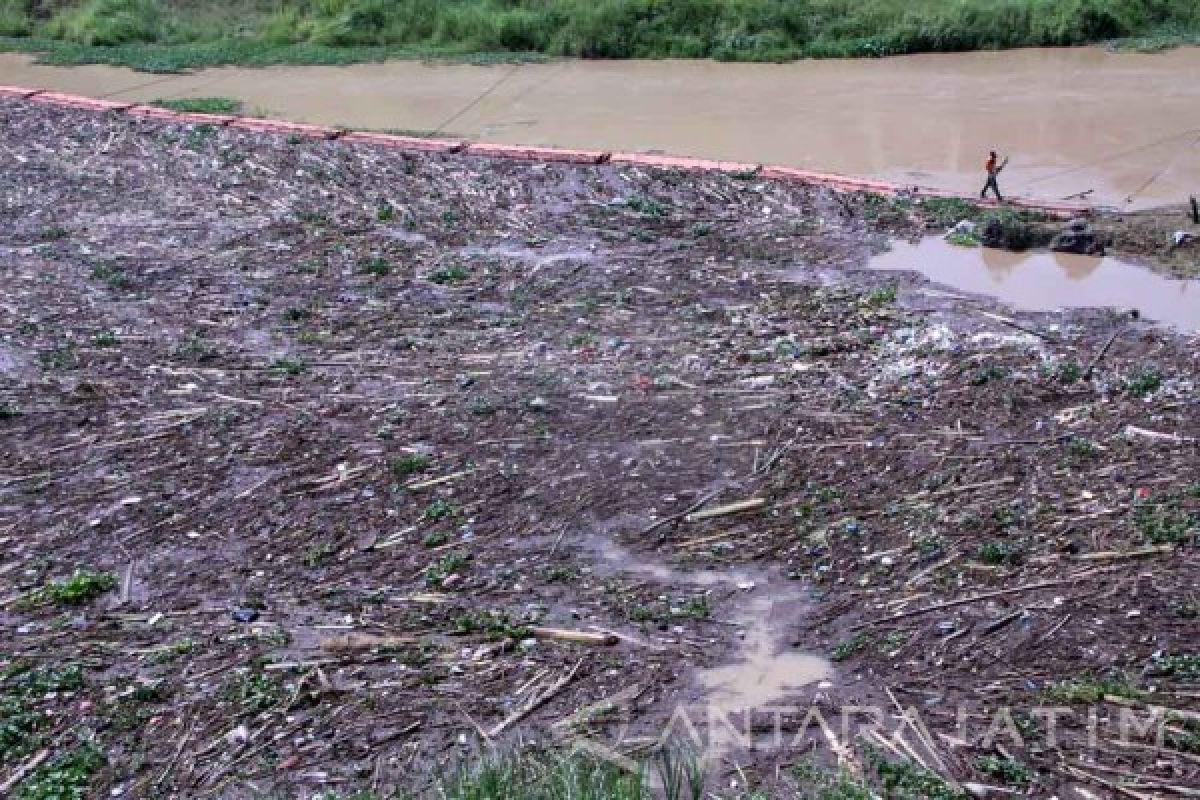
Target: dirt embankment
x=338, y=432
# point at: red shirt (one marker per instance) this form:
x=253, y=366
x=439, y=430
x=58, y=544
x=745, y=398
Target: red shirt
x=990, y=166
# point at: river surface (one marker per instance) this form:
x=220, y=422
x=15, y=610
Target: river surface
x=1125, y=127
x=1043, y=281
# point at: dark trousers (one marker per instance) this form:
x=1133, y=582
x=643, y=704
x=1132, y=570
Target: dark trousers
x=991, y=184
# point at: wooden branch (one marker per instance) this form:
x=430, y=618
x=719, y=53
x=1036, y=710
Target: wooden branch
x=354, y=642
x=579, y=637
x=23, y=770
x=733, y=508
x=682, y=514
x=1087, y=373
x=536, y=703
x=962, y=602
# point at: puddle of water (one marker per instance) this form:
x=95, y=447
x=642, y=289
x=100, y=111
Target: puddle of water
x=1040, y=281
x=1072, y=119
x=766, y=674
x=766, y=671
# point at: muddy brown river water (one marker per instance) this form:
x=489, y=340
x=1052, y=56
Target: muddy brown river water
x=1125, y=127
x=1041, y=281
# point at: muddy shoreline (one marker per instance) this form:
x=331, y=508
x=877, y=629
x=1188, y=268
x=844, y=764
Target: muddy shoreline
x=385, y=407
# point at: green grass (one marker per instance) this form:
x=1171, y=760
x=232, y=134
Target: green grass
x=21, y=723
x=543, y=777
x=825, y=784
x=904, y=781
x=959, y=239
x=203, y=105
x=171, y=35
x=1007, y=770
x=946, y=212
x=1091, y=689
x=899, y=781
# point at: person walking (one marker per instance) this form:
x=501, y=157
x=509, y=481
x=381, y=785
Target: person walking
x=993, y=169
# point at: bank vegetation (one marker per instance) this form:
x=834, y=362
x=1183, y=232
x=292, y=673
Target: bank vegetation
x=164, y=35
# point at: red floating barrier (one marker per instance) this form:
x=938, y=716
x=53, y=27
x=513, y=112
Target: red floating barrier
x=405, y=142
x=167, y=115
x=17, y=91
x=538, y=153
x=279, y=126
x=78, y=101
x=680, y=162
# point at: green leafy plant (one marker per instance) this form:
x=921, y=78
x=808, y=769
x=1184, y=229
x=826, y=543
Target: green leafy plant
x=82, y=587
x=1143, y=381
x=106, y=338
x=61, y=357
x=449, y=564
x=1186, y=666
x=65, y=777
x=850, y=647
x=256, y=691
x=289, y=366
x=883, y=296
x=297, y=314
x=197, y=136
x=456, y=273
x=1068, y=371
x=110, y=273
x=438, y=509
x=1163, y=520
x=494, y=624
x=997, y=553
x=989, y=374
x=376, y=265
x=697, y=607
x=311, y=217
x=407, y=465
x=645, y=205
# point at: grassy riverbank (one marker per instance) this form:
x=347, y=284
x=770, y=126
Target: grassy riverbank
x=176, y=34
